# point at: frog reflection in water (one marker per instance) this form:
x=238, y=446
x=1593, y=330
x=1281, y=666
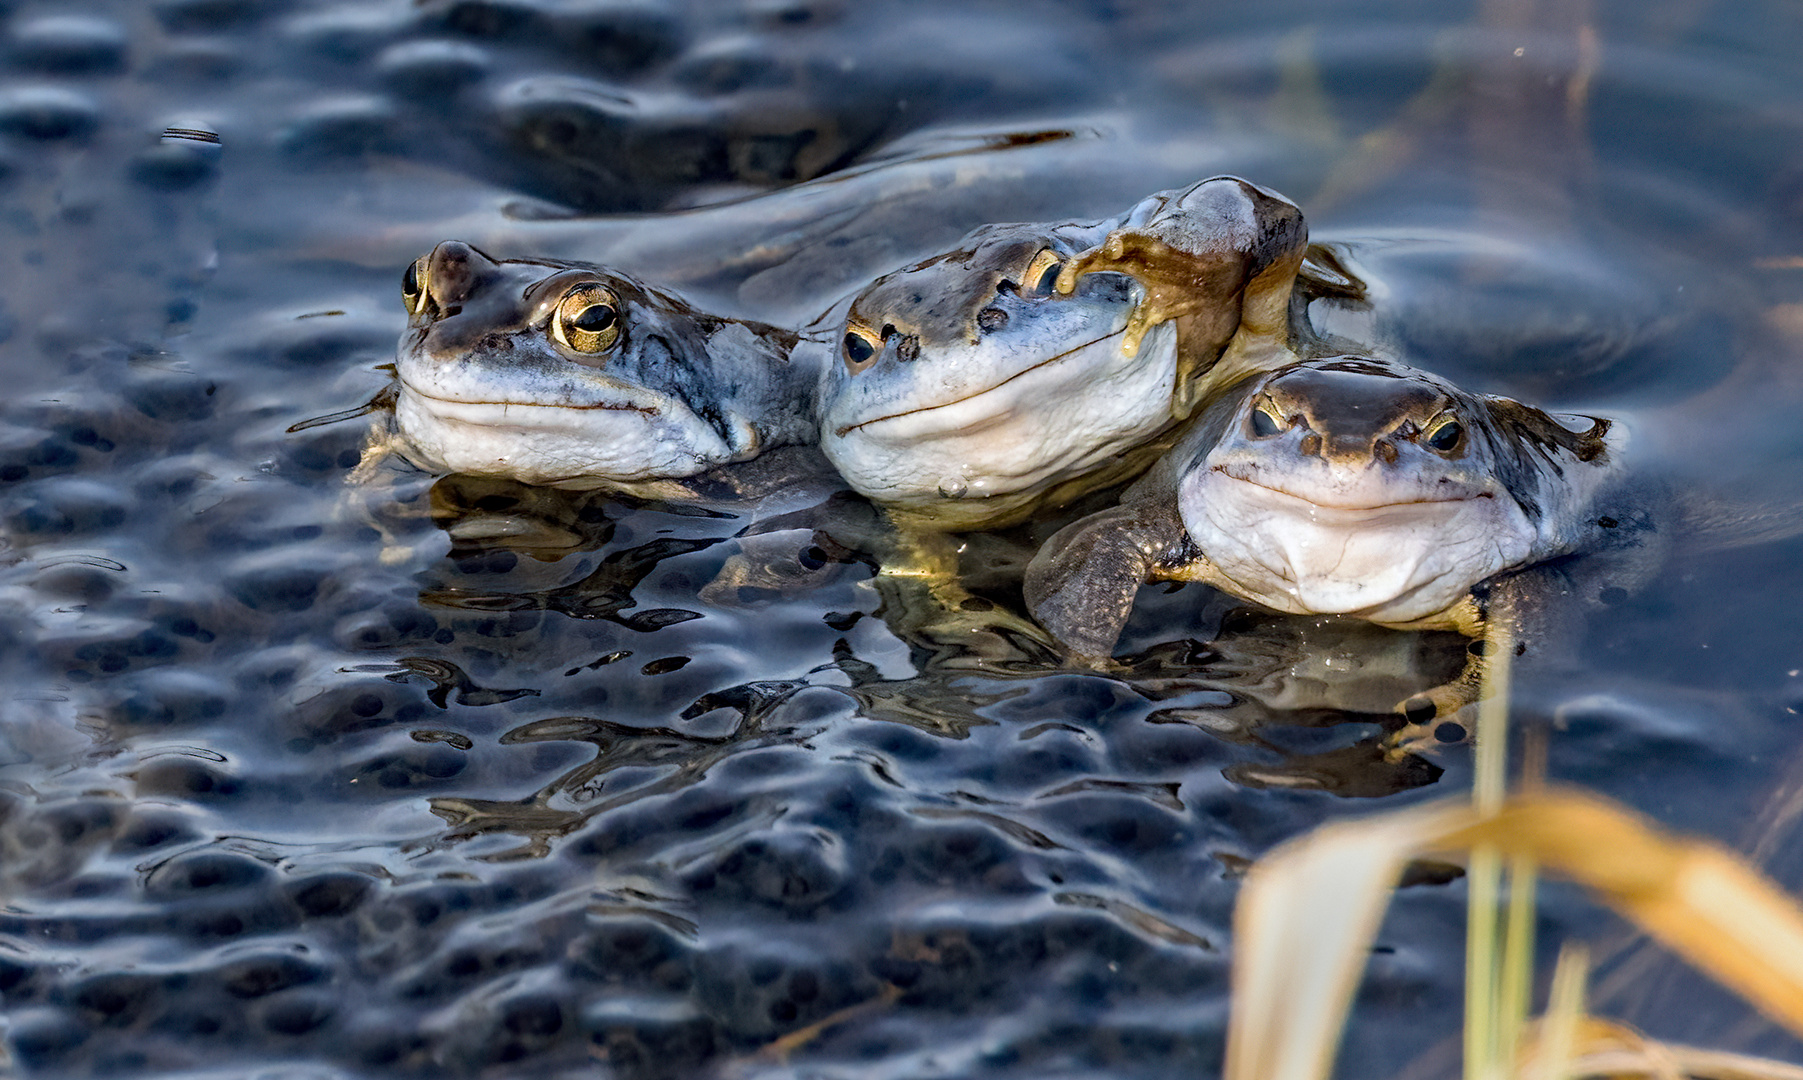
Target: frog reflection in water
x=491, y=523
x=572, y=375
x=1364, y=488
x=1284, y=684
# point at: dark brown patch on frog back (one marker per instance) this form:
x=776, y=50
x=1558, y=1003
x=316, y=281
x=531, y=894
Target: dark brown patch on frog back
x=1529, y=426
x=1532, y=449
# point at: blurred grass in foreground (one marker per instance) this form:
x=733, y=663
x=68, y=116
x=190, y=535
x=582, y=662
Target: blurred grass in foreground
x=1310, y=911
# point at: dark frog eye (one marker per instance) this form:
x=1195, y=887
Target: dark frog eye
x=413, y=286
x=1264, y=423
x=594, y=319
x=587, y=319
x=1041, y=276
x=859, y=348
x=1445, y=437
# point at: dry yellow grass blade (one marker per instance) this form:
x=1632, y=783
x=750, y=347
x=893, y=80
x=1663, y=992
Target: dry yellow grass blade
x=1603, y=1049
x=1310, y=909
x=1699, y=900
x=1689, y=1062
x=1301, y=932
x=1549, y=1051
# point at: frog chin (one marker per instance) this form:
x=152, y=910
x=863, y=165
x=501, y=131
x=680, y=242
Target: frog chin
x=556, y=445
x=1057, y=418
x=1398, y=562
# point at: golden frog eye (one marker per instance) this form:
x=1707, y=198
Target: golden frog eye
x=1445, y=435
x=1041, y=276
x=413, y=286
x=859, y=347
x=587, y=319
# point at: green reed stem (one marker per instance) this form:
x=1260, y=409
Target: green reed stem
x=1484, y=877
x=1516, y=983
x=1489, y=1037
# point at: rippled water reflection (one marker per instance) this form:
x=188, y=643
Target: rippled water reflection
x=442, y=776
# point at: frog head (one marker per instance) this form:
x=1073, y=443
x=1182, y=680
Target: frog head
x=1351, y=486
x=970, y=376
x=571, y=374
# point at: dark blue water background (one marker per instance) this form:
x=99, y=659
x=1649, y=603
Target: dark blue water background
x=308, y=779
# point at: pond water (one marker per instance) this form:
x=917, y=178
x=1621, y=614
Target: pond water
x=426, y=777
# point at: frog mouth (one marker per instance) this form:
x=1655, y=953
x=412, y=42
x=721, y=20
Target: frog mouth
x=841, y=432
x=1314, y=503
x=461, y=403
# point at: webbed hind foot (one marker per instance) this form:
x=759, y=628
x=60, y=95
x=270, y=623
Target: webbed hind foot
x=1445, y=715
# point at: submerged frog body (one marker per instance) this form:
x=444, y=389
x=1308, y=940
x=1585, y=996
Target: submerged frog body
x=1025, y=368
x=573, y=375
x=1345, y=486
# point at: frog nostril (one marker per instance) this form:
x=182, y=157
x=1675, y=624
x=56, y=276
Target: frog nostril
x=907, y=349
x=1311, y=445
x=1385, y=451
x=991, y=319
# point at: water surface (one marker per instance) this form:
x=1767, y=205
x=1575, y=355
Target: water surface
x=450, y=777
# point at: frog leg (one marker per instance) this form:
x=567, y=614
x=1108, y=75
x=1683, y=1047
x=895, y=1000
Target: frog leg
x=1427, y=715
x=925, y=554
x=1081, y=585
x=951, y=632
x=1536, y=616
x=1529, y=615
x=924, y=602
x=1220, y=257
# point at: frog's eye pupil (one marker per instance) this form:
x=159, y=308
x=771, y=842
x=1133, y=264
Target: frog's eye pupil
x=410, y=280
x=812, y=559
x=1446, y=437
x=595, y=318
x=588, y=320
x=858, y=348
x=1048, y=280
x=1264, y=425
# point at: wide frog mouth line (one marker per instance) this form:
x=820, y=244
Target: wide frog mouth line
x=1316, y=506
x=841, y=432
x=605, y=406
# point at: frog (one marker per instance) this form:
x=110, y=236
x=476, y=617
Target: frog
x=1360, y=487
x=575, y=375
x=1033, y=363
